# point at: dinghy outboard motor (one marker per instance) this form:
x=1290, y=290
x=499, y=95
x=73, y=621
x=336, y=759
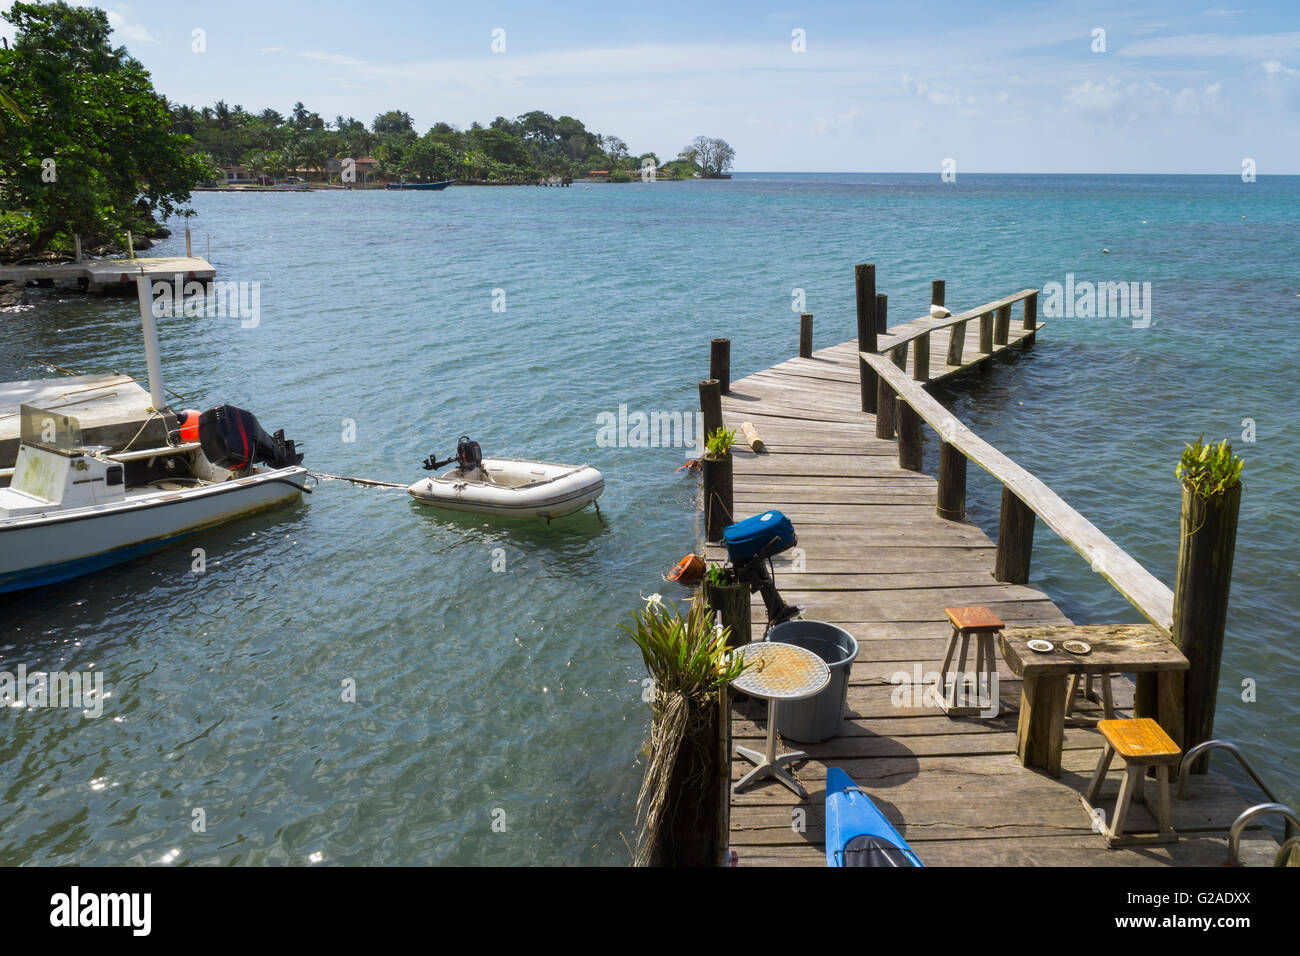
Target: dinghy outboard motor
x=751, y=544
x=469, y=456
x=232, y=439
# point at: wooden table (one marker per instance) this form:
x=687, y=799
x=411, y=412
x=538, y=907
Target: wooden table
x=1125, y=648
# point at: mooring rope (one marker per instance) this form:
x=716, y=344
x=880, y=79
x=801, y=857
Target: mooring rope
x=359, y=481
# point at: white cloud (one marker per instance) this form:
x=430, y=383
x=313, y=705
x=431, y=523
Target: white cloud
x=1118, y=100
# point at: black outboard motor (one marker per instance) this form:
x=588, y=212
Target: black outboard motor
x=469, y=456
x=751, y=544
x=232, y=438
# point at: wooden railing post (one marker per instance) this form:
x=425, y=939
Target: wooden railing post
x=986, y=333
x=1031, y=311
x=909, y=436
x=1015, y=539
x=882, y=312
x=1002, y=326
x=1205, y=554
x=720, y=363
x=864, y=278
x=956, y=342
x=952, y=483
x=937, y=292
x=921, y=358
x=805, y=335
x=884, y=408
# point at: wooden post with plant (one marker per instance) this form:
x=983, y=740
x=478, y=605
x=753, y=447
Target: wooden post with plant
x=864, y=281
x=684, y=794
x=729, y=598
x=805, y=335
x=1210, y=476
x=715, y=469
x=720, y=363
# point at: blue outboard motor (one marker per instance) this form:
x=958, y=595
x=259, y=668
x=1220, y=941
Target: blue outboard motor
x=751, y=544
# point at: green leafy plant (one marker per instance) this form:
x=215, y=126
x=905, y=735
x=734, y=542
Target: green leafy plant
x=689, y=660
x=719, y=443
x=719, y=575
x=1209, y=469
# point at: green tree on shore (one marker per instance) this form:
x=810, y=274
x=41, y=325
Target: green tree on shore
x=96, y=153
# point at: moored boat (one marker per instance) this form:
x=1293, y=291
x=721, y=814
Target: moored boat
x=426, y=186
x=72, y=509
x=507, y=487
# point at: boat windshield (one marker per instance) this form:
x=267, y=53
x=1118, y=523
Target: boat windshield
x=46, y=428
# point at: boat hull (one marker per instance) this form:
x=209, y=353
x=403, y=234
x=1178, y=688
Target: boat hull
x=556, y=490
x=422, y=186
x=850, y=814
x=43, y=549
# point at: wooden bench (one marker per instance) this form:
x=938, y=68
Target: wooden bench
x=1142, y=743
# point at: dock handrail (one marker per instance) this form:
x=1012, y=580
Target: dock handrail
x=1250, y=813
x=927, y=323
x=1139, y=586
x=1209, y=745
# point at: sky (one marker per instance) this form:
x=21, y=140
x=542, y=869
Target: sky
x=835, y=87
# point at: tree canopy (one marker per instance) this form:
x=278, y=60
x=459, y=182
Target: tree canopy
x=89, y=146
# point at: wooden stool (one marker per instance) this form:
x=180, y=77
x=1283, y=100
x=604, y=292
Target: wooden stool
x=984, y=624
x=1142, y=743
x=1107, y=702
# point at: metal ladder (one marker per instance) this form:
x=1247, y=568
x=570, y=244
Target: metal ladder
x=1292, y=820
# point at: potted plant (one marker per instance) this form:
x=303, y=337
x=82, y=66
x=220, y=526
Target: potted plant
x=715, y=470
x=1210, y=476
x=686, y=785
x=729, y=598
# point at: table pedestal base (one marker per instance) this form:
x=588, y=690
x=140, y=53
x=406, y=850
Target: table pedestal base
x=764, y=768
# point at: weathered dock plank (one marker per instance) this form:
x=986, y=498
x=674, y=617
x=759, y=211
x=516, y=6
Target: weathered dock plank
x=875, y=558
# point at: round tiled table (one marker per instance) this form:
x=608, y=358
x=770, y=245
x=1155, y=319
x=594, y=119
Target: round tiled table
x=777, y=672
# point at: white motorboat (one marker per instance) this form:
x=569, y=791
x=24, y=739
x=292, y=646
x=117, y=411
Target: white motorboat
x=70, y=509
x=508, y=487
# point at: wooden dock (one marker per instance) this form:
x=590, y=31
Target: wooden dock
x=101, y=275
x=875, y=558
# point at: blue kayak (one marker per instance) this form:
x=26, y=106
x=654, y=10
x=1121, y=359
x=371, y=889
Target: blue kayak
x=857, y=834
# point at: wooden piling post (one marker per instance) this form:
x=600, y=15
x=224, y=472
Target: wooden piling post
x=921, y=357
x=731, y=603
x=1002, y=326
x=720, y=363
x=76, y=241
x=1031, y=311
x=1201, y=583
x=986, y=333
x=805, y=335
x=189, y=254
x=909, y=435
x=719, y=501
x=1015, y=540
x=882, y=312
x=864, y=278
x=130, y=245
x=952, y=483
x=710, y=406
x=937, y=292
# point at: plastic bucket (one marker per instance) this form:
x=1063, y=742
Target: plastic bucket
x=817, y=718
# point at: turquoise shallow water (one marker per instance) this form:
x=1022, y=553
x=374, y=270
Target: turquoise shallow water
x=510, y=696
